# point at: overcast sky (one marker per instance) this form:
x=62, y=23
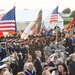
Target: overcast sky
x=37, y=4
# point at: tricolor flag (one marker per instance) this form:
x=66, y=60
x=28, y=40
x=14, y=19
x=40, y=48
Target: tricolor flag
x=7, y=22
x=54, y=15
x=30, y=29
x=39, y=21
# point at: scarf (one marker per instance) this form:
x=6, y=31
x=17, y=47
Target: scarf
x=29, y=72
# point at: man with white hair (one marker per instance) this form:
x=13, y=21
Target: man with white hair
x=37, y=63
x=30, y=68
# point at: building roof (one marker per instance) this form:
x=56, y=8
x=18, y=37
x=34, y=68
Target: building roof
x=26, y=15
x=31, y=15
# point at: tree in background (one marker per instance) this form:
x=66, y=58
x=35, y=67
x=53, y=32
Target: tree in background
x=72, y=14
x=66, y=11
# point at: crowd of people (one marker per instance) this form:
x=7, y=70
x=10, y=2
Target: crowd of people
x=50, y=53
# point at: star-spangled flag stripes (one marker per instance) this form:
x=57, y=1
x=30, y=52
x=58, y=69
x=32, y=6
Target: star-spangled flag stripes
x=7, y=22
x=54, y=15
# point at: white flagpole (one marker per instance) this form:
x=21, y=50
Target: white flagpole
x=57, y=32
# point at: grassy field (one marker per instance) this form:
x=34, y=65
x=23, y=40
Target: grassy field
x=67, y=21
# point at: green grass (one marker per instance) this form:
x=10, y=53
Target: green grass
x=67, y=21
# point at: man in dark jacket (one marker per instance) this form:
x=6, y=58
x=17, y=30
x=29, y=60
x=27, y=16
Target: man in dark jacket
x=72, y=66
x=2, y=51
x=37, y=63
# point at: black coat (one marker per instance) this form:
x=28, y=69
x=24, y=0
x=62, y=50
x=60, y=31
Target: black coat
x=72, y=68
x=71, y=47
x=20, y=65
x=38, y=66
x=51, y=64
x=14, y=68
x=2, y=53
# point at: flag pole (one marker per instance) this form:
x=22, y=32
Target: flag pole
x=15, y=17
x=56, y=36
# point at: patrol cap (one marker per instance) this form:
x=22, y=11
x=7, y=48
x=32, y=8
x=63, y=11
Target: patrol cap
x=57, y=51
x=7, y=62
x=10, y=40
x=2, y=67
x=3, y=43
x=6, y=59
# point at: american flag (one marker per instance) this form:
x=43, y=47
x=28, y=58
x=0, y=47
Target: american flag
x=7, y=22
x=1, y=16
x=54, y=15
